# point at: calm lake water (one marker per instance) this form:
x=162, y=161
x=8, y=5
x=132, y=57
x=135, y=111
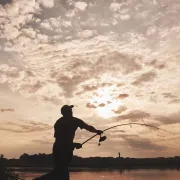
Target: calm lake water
x=112, y=175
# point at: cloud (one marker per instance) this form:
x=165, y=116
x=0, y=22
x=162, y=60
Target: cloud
x=43, y=142
x=175, y=101
x=120, y=109
x=169, y=119
x=81, y=5
x=53, y=99
x=32, y=88
x=143, y=144
x=24, y=127
x=95, y=69
x=67, y=83
x=9, y=57
x=87, y=88
x=118, y=62
x=157, y=65
x=120, y=84
x=134, y=115
x=7, y=110
x=169, y=95
x=122, y=96
x=8, y=73
x=146, y=77
x=91, y=106
x=101, y=105
x=46, y=3
x=4, y=2
x=91, y=88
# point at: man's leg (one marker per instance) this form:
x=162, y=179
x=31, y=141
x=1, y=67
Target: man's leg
x=61, y=170
x=64, y=173
x=66, y=161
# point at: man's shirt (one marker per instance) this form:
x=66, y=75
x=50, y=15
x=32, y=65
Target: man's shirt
x=65, y=129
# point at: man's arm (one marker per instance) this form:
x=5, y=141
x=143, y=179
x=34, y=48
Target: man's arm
x=92, y=129
x=88, y=127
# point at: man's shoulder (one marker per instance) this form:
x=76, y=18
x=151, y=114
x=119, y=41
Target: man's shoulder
x=77, y=119
x=80, y=123
x=58, y=121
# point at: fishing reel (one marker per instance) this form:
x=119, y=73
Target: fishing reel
x=101, y=139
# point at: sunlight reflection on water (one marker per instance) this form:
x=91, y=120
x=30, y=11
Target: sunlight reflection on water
x=115, y=175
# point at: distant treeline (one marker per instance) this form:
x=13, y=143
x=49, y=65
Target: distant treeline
x=46, y=160
x=5, y=173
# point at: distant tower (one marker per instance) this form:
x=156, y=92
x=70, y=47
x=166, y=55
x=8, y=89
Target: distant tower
x=119, y=154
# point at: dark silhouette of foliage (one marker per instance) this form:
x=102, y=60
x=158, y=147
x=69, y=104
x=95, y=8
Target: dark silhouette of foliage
x=46, y=160
x=6, y=174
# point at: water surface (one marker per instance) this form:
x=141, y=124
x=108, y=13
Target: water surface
x=113, y=175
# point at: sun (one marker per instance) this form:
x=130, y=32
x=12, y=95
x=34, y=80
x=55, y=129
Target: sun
x=106, y=103
x=109, y=110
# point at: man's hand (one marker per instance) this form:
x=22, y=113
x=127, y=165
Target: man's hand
x=77, y=145
x=99, y=132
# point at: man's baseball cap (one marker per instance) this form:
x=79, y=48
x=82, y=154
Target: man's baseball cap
x=66, y=108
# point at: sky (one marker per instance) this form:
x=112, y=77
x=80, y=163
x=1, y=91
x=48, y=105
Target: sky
x=116, y=61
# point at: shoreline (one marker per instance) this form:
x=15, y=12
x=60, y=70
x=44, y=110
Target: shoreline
x=85, y=169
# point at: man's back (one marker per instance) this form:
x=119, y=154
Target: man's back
x=65, y=129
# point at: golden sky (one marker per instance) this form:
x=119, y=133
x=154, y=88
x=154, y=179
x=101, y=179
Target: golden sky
x=117, y=61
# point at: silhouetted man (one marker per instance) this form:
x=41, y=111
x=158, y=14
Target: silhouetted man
x=65, y=128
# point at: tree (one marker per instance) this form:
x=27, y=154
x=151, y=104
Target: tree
x=6, y=174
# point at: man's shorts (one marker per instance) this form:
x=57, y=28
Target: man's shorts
x=62, y=155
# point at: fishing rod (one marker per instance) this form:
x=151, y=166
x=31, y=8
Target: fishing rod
x=103, y=138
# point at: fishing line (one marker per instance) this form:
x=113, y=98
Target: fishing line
x=126, y=124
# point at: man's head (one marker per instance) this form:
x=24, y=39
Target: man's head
x=66, y=110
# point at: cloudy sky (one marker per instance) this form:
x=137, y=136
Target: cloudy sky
x=117, y=61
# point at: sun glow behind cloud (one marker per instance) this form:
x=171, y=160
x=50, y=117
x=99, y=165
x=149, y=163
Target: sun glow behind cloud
x=108, y=110
x=106, y=103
